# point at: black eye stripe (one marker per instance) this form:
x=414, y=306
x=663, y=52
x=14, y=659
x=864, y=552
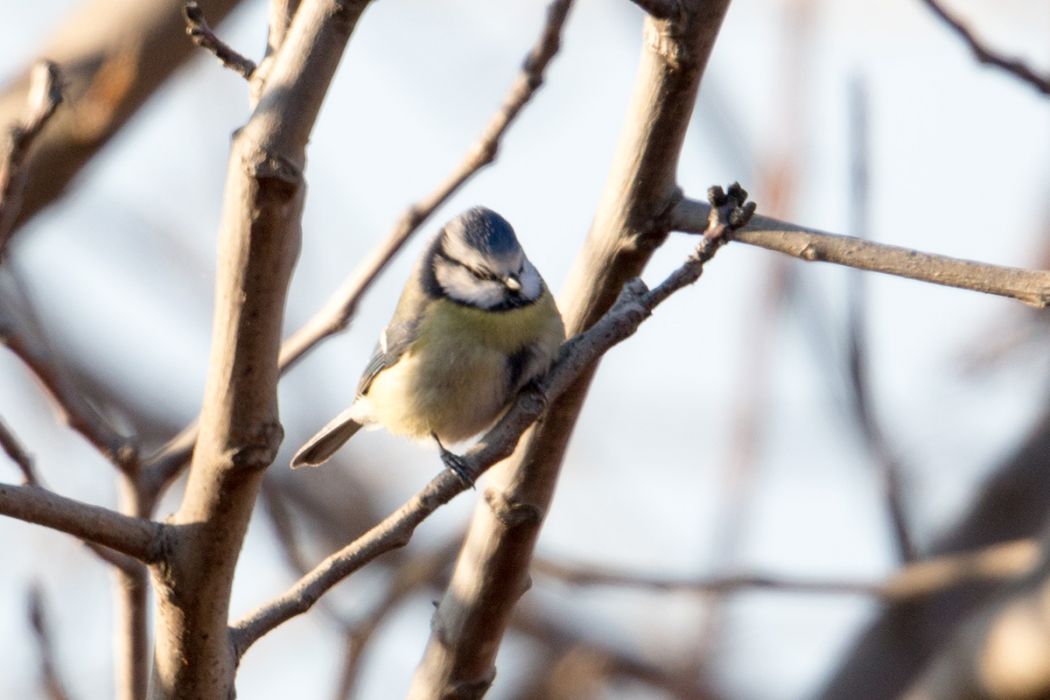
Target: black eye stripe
x=479, y=274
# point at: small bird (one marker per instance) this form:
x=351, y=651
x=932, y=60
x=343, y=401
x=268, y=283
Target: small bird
x=475, y=324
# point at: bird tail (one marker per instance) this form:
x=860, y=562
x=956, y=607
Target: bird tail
x=328, y=439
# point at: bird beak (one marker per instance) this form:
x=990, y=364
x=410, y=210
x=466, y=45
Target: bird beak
x=512, y=283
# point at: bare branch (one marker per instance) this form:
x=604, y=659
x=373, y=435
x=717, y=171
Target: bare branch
x=570, y=644
x=1017, y=68
x=659, y=9
x=628, y=226
x=18, y=455
x=858, y=384
x=136, y=537
x=113, y=54
x=202, y=35
x=53, y=689
x=260, y=237
x=1031, y=287
x=633, y=306
x=44, y=97
x=337, y=312
x=997, y=562
x=30, y=346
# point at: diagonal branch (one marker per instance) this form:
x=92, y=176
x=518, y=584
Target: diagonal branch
x=628, y=226
x=203, y=36
x=631, y=308
x=1017, y=68
x=18, y=455
x=30, y=346
x=633, y=305
x=136, y=537
x=44, y=97
x=1031, y=287
x=336, y=314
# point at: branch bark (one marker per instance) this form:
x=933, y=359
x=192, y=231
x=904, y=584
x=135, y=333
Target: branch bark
x=240, y=432
x=1015, y=67
x=630, y=224
x=336, y=314
x=41, y=103
x=633, y=306
x=113, y=54
x=136, y=537
x=1031, y=287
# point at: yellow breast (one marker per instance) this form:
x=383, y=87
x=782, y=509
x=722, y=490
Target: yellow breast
x=454, y=379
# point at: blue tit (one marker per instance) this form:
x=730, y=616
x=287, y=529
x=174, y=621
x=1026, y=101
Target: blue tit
x=474, y=325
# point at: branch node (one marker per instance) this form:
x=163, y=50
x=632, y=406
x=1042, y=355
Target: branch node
x=512, y=514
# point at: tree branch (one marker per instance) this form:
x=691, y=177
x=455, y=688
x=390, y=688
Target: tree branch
x=43, y=99
x=18, y=455
x=633, y=306
x=998, y=562
x=239, y=428
x=983, y=54
x=113, y=55
x=336, y=314
x=53, y=688
x=30, y=346
x=203, y=36
x=658, y=9
x=136, y=537
x=1031, y=287
x=629, y=225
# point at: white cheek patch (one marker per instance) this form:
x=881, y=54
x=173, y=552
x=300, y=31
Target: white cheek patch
x=464, y=287
x=531, y=282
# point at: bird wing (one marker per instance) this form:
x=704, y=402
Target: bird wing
x=394, y=340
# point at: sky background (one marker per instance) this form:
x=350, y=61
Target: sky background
x=121, y=273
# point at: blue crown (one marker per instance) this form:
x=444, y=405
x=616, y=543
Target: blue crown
x=485, y=230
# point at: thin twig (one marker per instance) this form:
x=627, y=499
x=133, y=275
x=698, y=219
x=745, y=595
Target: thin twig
x=1031, y=287
x=203, y=36
x=18, y=455
x=1004, y=561
x=858, y=383
x=982, y=53
x=44, y=97
x=336, y=314
x=635, y=303
x=136, y=537
x=29, y=345
x=53, y=689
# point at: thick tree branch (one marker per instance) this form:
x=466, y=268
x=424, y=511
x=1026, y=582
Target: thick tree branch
x=44, y=97
x=982, y=53
x=136, y=537
x=629, y=225
x=658, y=9
x=239, y=428
x=336, y=314
x=203, y=36
x=633, y=306
x=1031, y=287
x=113, y=54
